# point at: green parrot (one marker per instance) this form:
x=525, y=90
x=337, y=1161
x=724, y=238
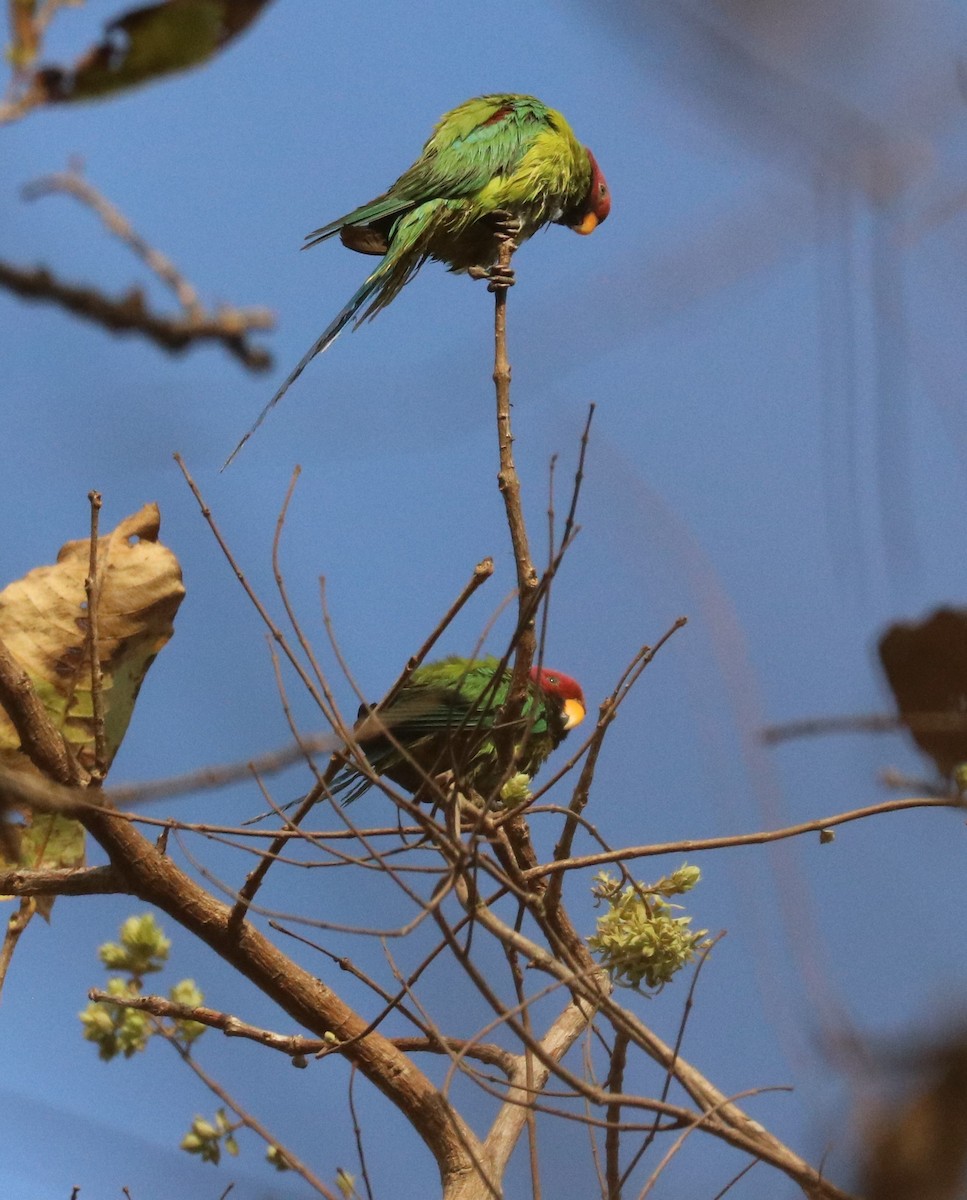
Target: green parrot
x=443, y=718
x=501, y=164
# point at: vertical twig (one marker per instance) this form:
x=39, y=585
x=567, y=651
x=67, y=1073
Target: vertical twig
x=612, y=1139
x=513, y=960
x=358, y=1135
x=509, y=483
x=92, y=589
x=676, y=1051
x=24, y=35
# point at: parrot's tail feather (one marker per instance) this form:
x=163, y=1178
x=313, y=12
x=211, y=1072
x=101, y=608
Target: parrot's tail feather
x=323, y=342
x=380, y=209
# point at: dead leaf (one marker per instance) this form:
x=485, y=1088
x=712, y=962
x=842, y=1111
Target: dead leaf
x=43, y=624
x=925, y=664
x=917, y=1147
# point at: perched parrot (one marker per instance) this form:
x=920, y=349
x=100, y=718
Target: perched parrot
x=444, y=717
x=496, y=164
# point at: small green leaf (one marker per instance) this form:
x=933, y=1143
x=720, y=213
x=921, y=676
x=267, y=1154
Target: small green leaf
x=276, y=1156
x=346, y=1183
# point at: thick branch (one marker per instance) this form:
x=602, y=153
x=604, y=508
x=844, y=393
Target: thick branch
x=60, y=881
x=506, y=1129
x=154, y=878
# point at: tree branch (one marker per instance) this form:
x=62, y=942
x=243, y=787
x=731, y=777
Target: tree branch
x=61, y=881
x=39, y=740
x=693, y=845
x=129, y=313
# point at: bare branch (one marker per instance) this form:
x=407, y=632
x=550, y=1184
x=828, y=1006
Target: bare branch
x=292, y=1046
x=61, y=881
x=72, y=183
x=92, y=590
x=243, y=1115
x=692, y=845
x=130, y=314
x=39, y=740
x=612, y=1141
x=509, y=483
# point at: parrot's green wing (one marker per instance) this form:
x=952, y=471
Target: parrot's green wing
x=482, y=139
x=446, y=711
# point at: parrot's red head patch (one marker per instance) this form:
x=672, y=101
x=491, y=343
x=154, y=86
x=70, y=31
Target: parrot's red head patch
x=566, y=689
x=597, y=204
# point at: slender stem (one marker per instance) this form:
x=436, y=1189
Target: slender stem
x=243, y=1115
x=509, y=483
x=72, y=183
x=612, y=1139
x=92, y=590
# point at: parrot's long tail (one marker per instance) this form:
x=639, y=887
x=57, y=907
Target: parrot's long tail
x=323, y=342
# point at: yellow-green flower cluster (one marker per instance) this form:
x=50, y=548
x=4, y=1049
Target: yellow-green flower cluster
x=639, y=940
x=207, y=1139
x=142, y=950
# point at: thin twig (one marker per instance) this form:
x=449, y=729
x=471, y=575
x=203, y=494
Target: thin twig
x=508, y=482
x=16, y=925
x=92, y=590
x=607, y=714
x=693, y=845
x=293, y=1046
x=736, y=1177
x=481, y=573
x=939, y=722
x=676, y=1051
x=72, y=183
x=697, y=1124
x=244, y=1116
x=612, y=1139
x=358, y=1135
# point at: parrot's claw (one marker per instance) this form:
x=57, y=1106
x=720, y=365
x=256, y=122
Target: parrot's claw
x=506, y=226
x=506, y=229
x=500, y=279
x=497, y=278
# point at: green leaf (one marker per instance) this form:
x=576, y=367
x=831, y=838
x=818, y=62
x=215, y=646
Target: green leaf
x=145, y=44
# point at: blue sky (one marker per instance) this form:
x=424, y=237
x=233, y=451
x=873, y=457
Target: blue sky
x=771, y=326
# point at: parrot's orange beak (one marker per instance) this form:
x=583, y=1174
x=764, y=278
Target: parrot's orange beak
x=573, y=709
x=588, y=225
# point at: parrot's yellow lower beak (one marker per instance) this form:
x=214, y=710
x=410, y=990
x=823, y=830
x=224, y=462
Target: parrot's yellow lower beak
x=573, y=712
x=588, y=225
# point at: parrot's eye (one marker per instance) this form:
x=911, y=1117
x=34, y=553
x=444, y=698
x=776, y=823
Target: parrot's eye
x=553, y=680
x=602, y=189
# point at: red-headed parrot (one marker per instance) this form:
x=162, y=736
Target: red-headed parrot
x=494, y=163
x=443, y=719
